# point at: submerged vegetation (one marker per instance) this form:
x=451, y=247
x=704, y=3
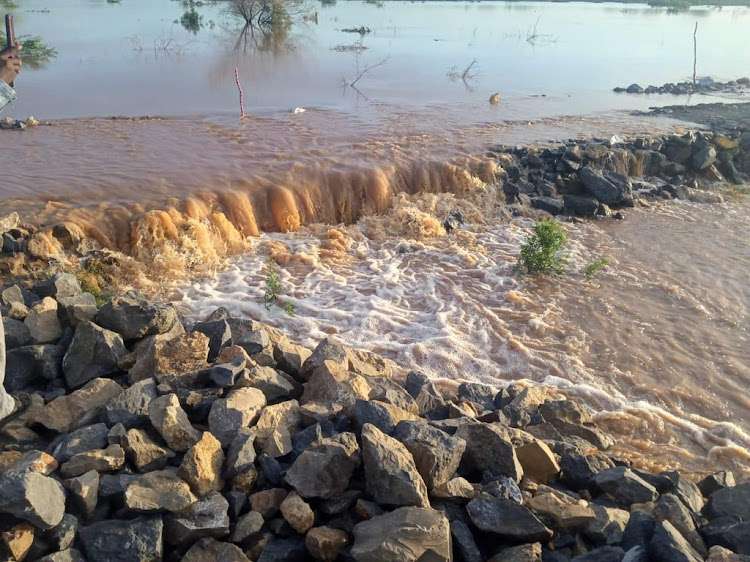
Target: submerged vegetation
x=595, y=267
x=274, y=290
x=542, y=252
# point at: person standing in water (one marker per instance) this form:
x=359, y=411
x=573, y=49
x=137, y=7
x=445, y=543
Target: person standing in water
x=10, y=67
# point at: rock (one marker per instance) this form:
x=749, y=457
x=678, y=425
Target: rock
x=219, y=335
x=687, y=492
x=161, y=490
x=17, y=541
x=81, y=440
x=77, y=309
x=241, y=453
x=634, y=89
x=455, y=489
x=79, y=408
x=297, y=513
x=729, y=532
x=172, y=423
x=609, y=525
x=85, y=491
x=134, y=318
x=130, y=408
x=144, y=453
x=581, y=206
x=110, y=459
x=68, y=555
x=625, y=486
x=207, y=517
x=636, y=554
x=175, y=360
x=284, y=550
x=390, y=474
x=211, y=550
x=33, y=365
x=380, y=414
x=58, y=538
x=668, y=545
x=94, y=352
x=238, y=410
x=730, y=502
x=551, y=205
x=670, y=508
x=268, y=502
x=609, y=188
x=603, y=554
x=247, y=526
x=436, y=454
x=276, y=426
x=579, y=471
x=522, y=553
x=290, y=357
x=721, y=554
x=42, y=321
x=639, y=530
x=201, y=466
x=325, y=543
x=7, y=404
x=324, y=469
x=703, y=157
x=16, y=333
x=334, y=388
x=538, y=461
x=32, y=497
x=276, y=385
x=563, y=510
x=408, y=534
x=427, y=395
x=225, y=374
x=507, y=519
x=123, y=541
x=488, y=448
x=464, y=543
x=59, y=286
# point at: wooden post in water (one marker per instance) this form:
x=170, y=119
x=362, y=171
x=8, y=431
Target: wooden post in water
x=695, y=54
x=10, y=35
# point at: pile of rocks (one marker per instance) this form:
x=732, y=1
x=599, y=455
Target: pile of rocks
x=590, y=178
x=705, y=85
x=136, y=439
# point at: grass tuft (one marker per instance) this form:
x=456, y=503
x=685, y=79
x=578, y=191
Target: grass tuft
x=542, y=253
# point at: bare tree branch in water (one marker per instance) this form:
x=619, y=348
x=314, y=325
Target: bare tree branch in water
x=367, y=69
x=466, y=76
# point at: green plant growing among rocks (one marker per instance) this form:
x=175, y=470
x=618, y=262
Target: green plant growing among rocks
x=595, y=267
x=274, y=289
x=542, y=253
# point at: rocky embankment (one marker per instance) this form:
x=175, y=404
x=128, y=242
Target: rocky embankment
x=591, y=178
x=135, y=437
x=705, y=85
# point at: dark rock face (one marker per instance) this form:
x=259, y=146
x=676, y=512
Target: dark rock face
x=489, y=449
x=33, y=497
x=33, y=364
x=625, y=486
x=436, y=454
x=123, y=541
x=609, y=187
x=219, y=335
x=507, y=519
x=669, y=545
x=324, y=470
x=728, y=532
x=130, y=408
x=730, y=502
x=134, y=318
x=94, y=352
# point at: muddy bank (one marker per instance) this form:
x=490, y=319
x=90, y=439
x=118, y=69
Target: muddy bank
x=138, y=436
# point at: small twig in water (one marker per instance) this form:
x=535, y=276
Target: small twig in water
x=368, y=69
x=695, y=53
x=242, y=94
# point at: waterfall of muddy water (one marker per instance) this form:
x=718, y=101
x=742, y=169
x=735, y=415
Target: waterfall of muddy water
x=179, y=195
x=657, y=344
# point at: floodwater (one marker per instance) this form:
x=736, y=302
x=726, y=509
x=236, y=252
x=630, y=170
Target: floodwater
x=348, y=196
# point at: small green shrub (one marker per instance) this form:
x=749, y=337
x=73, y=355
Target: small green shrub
x=595, y=267
x=542, y=251
x=274, y=290
x=35, y=53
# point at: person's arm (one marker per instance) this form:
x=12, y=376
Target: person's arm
x=10, y=67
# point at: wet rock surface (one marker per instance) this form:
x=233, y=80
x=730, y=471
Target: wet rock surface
x=323, y=454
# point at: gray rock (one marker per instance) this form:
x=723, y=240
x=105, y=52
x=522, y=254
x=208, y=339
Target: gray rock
x=84, y=490
x=579, y=471
x=241, y=453
x=625, y=486
x=16, y=333
x=715, y=482
x=68, y=555
x=408, y=534
x=326, y=350
x=284, y=550
x=687, y=492
x=324, y=469
x=639, y=530
x=102, y=460
x=207, y=517
x=135, y=540
x=81, y=440
x=634, y=89
x=636, y=554
x=225, y=374
x=430, y=401
x=670, y=508
x=211, y=550
x=134, y=318
x=33, y=365
x=507, y=519
x=76, y=309
x=157, y=491
x=668, y=545
x=380, y=414
x=436, y=454
x=131, y=407
x=610, y=188
x=254, y=339
x=325, y=543
x=43, y=323
x=390, y=473
x=521, y=553
x=58, y=286
x=79, y=408
x=464, y=543
x=730, y=502
x=33, y=497
x=219, y=335
x=488, y=448
x=603, y=554
x=703, y=157
x=608, y=526
x=728, y=532
x=551, y=205
x=239, y=409
x=247, y=525
x=581, y=206
x=274, y=384
x=144, y=453
x=172, y=423
x=94, y=352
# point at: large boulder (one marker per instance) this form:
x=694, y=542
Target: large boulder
x=202, y=464
x=669, y=545
x=173, y=360
x=131, y=407
x=211, y=550
x=84, y=439
x=324, y=469
x=507, y=519
x=123, y=541
x=625, y=486
x=436, y=454
x=43, y=323
x=488, y=448
x=408, y=534
x=110, y=459
x=33, y=365
x=94, y=352
x=33, y=497
x=158, y=491
x=239, y=409
x=171, y=421
x=730, y=502
x=610, y=188
x=208, y=517
x=390, y=473
x=143, y=452
x=275, y=427
x=79, y=408
x=134, y=318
